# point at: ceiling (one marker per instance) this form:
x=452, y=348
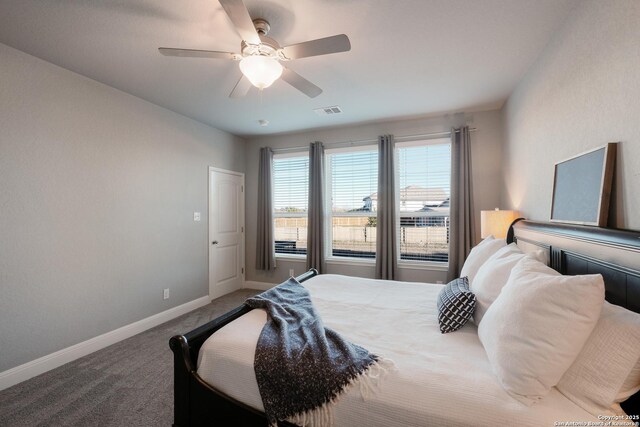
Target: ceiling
x=408, y=58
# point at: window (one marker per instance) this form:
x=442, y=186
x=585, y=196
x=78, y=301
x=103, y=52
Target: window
x=352, y=180
x=423, y=183
x=290, y=203
x=424, y=172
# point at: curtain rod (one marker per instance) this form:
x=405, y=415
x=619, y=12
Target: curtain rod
x=432, y=135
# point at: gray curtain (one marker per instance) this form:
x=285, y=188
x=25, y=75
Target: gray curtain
x=265, y=255
x=462, y=222
x=386, y=250
x=315, y=225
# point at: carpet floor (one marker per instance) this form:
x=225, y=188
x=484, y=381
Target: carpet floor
x=129, y=383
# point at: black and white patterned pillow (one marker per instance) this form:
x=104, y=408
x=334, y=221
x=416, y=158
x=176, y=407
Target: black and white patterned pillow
x=456, y=304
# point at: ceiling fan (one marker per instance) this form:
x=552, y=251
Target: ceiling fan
x=261, y=56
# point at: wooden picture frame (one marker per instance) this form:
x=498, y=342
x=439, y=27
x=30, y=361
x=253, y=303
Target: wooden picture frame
x=582, y=187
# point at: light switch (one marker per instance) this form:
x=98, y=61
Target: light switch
x=196, y=216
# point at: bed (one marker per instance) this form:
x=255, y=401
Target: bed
x=214, y=380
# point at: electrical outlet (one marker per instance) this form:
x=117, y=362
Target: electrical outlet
x=291, y=273
x=196, y=216
x=166, y=294
x=439, y=282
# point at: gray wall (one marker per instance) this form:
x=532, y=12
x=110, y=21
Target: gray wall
x=97, y=194
x=582, y=92
x=487, y=160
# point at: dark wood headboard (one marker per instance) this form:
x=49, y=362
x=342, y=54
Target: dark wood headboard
x=576, y=249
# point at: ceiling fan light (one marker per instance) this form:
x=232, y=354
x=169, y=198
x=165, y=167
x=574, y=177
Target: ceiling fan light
x=261, y=71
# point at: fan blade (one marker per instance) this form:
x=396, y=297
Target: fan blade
x=333, y=44
x=195, y=53
x=241, y=88
x=239, y=16
x=300, y=83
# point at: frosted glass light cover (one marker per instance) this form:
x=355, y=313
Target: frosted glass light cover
x=261, y=71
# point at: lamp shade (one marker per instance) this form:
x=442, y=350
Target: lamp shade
x=496, y=223
x=261, y=71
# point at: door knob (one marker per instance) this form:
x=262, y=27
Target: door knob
x=215, y=242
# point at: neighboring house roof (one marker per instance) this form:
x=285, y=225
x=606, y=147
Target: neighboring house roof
x=442, y=206
x=417, y=193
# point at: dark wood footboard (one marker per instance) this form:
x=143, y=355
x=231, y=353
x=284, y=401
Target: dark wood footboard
x=197, y=403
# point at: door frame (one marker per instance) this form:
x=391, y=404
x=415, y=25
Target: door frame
x=243, y=267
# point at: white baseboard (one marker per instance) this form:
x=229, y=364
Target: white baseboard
x=51, y=361
x=261, y=286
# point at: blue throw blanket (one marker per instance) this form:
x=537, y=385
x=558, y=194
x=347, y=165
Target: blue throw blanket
x=300, y=365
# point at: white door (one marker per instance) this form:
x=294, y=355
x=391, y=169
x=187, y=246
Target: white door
x=226, y=232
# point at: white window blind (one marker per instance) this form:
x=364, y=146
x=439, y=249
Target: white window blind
x=290, y=203
x=424, y=172
x=352, y=177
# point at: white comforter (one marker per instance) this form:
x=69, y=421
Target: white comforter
x=441, y=380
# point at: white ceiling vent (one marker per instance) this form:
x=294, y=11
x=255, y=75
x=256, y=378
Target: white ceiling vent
x=328, y=111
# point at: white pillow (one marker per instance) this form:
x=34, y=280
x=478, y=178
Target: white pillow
x=479, y=255
x=536, y=327
x=493, y=276
x=631, y=385
x=597, y=376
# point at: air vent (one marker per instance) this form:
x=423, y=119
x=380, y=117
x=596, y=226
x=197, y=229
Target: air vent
x=327, y=111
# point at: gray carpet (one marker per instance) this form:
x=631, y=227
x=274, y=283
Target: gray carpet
x=127, y=384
